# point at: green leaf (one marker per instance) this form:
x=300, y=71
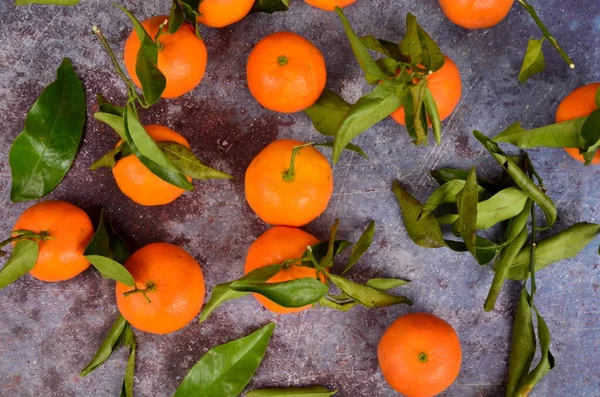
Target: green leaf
x=223, y=293
x=320, y=250
x=327, y=112
x=365, y=113
x=361, y=246
x=22, y=259
x=270, y=6
x=153, y=81
x=295, y=293
x=111, y=343
x=410, y=45
x=314, y=391
x=467, y=212
x=42, y=154
x=351, y=147
x=111, y=270
x=113, y=121
x=563, y=245
x=485, y=250
x=188, y=164
x=445, y=194
x=104, y=106
x=433, y=59
x=523, y=344
x=590, y=137
x=176, y=17
x=342, y=307
x=226, y=369
x=414, y=111
x=390, y=67
x=502, y=206
x=384, y=47
x=49, y=2
x=372, y=72
x=433, y=115
x=129, y=340
x=107, y=243
x=519, y=177
x=108, y=160
x=445, y=175
x=424, y=231
x=386, y=284
x=534, y=62
x=365, y=295
x=560, y=135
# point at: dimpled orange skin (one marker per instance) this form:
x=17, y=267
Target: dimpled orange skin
x=445, y=86
x=179, y=292
x=182, y=58
x=138, y=183
x=329, y=5
x=286, y=73
x=289, y=203
x=220, y=13
x=402, y=344
x=476, y=14
x=70, y=229
x=273, y=247
x=579, y=103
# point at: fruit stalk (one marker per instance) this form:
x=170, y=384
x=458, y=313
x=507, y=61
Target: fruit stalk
x=289, y=174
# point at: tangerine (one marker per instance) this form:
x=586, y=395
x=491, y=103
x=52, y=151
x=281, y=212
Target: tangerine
x=220, y=13
x=329, y=5
x=476, y=14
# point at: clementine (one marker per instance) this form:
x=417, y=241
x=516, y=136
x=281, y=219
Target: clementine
x=286, y=73
x=138, y=183
x=275, y=246
x=476, y=14
x=579, y=103
x=445, y=86
x=181, y=56
x=287, y=184
x=169, y=289
x=329, y=5
x=419, y=355
x=68, y=229
x=220, y=13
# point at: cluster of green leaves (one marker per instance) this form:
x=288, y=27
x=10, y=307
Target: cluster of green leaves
x=182, y=10
x=400, y=77
x=582, y=133
x=42, y=154
x=475, y=204
x=307, y=291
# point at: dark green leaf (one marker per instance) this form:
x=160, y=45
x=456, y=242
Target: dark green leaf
x=129, y=340
x=270, y=6
x=352, y=147
x=410, y=45
x=104, y=106
x=384, y=47
x=295, y=293
x=365, y=113
x=414, y=111
x=565, y=134
x=111, y=270
x=176, y=17
x=327, y=112
x=445, y=175
x=49, y=2
x=226, y=369
x=361, y=246
x=563, y=245
x=433, y=115
x=188, y=164
x=424, y=231
x=365, y=295
x=386, y=284
x=110, y=344
x=223, y=292
x=534, y=62
x=485, y=250
x=314, y=391
x=153, y=81
x=504, y=205
x=42, y=154
x=523, y=344
x=466, y=201
x=119, y=251
x=107, y=243
x=22, y=259
x=590, y=136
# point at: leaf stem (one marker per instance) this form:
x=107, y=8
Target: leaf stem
x=25, y=235
x=289, y=174
x=160, y=32
x=150, y=287
x=546, y=33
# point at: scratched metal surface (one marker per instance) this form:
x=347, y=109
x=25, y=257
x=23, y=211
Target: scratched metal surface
x=48, y=332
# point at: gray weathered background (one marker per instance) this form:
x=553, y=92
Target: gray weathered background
x=48, y=332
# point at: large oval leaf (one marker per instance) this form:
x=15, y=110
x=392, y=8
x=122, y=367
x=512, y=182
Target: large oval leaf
x=294, y=293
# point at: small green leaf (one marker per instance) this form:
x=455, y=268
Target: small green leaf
x=104, y=106
x=129, y=340
x=445, y=175
x=49, y=2
x=361, y=246
x=107, y=243
x=327, y=112
x=467, y=212
x=111, y=270
x=22, y=259
x=342, y=307
x=113, y=121
x=502, y=206
x=560, y=135
x=270, y=6
x=108, y=160
x=414, y=111
x=295, y=293
x=384, y=47
x=320, y=250
x=111, y=343
x=433, y=115
x=43, y=153
x=351, y=147
x=445, y=194
x=176, y=17
x=589, y=141
x=187, y=163
x=433, y=59
x=523, y=344
x=226, y=369
x=534, y=62
x=367, y=296
x=386, y=284
x=314, y=391
x=410, y=45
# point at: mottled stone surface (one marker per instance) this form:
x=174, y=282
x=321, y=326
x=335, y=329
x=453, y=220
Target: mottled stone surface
x=48, y=332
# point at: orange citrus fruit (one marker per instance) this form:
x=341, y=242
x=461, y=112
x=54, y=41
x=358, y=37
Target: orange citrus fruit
x=279, y=197
x=220, y=13
x=286, y=73
x=329, y=5
x=445, y=86
x=181, y=56
x=170, y=289
x=273, y=247
x=69, y=231
x=579, y=103
x=139, y=183
x=476, y=14
x=419, y=355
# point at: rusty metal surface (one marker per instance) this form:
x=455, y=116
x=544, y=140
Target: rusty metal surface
x=48, y=332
